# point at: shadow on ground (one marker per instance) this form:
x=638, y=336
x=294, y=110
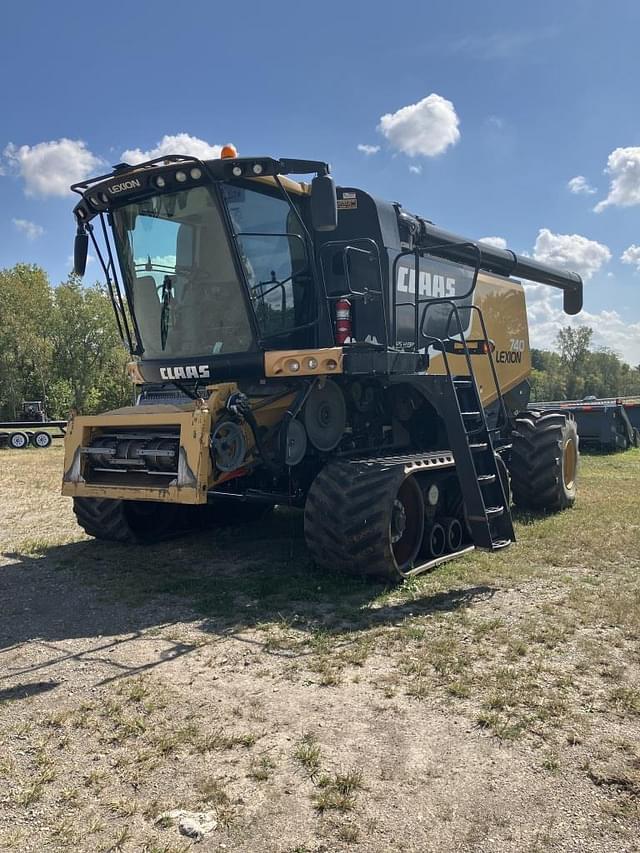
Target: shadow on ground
x=228, y=581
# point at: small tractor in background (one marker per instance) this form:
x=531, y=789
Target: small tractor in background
x=31, y=428
x=305, y=345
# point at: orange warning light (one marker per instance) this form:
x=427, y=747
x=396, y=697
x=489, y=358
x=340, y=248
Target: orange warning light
x=229, y=152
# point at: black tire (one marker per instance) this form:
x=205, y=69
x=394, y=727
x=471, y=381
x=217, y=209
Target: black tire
x=41, y=439
x=18, y=440
x=365, y=519
x=544, y=461
x=146, y=522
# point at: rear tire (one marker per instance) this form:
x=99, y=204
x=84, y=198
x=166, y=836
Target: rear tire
x=544, y=461
x=366, y=520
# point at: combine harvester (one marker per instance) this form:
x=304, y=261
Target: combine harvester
x=603, y=424
x=312, y=346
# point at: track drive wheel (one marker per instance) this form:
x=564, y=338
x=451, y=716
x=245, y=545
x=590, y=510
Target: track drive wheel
x=365, y=519
x=544, y=461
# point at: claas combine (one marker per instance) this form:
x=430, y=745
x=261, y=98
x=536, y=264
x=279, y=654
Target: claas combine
x=297, y=343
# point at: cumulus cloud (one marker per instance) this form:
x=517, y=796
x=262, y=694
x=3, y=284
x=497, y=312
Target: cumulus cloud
x=496, y=242
x=427, y=128
x=572, y=252
x=368, y=149
x=623, y=165
x=29, y=229
x=631, y=256
x=48, y=168
x=580, y=186
x=180, y=143
x=546, y=318
x=415, y=170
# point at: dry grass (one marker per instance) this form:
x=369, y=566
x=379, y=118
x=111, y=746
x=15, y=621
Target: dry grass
x=277, y=677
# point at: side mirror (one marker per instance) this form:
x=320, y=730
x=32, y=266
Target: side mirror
x=324, y=203
x=80, y=250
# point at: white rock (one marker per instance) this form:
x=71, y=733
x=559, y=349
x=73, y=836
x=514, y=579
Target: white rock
x=192, y=824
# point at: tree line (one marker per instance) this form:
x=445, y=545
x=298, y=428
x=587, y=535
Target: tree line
x=61, y=345
x=58, y=344
x=577, y=369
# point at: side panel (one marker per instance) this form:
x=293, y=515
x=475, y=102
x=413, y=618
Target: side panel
x=503, y=307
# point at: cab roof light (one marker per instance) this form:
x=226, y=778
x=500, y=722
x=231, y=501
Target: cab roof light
x=229, y=152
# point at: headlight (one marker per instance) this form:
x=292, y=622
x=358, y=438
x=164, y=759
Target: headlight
x=160, y=182
x=196, y=174
x=181, y=177
x=293, y=365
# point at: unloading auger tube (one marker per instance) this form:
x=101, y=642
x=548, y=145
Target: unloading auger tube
x=309, y=345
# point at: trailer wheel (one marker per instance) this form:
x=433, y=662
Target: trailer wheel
x=544, y=461
x=18, y=440
x=41, y=439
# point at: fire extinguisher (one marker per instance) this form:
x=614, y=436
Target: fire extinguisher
x=343, y=321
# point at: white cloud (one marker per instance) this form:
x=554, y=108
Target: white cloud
x=546, y=318
x=416, y=170
x=572, y=252
x=181, y=143
x=580, y=186
x=427, y=128
x=623, y=165
x=30, y=229
x=368, y=149
x=496, y=242
x=631, y=256
x=48, y=168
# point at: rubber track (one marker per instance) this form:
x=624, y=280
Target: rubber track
x=347, y=516
x=536, y=461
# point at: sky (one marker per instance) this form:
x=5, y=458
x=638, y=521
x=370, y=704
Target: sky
x=514, y=121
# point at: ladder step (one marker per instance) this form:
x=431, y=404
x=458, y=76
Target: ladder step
x=486, y=478
x=495, y=511
x=463, y=383
x=500, y=543
x=479, y=446
x=470, y=414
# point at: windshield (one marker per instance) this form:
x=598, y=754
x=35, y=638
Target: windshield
x=181, y=277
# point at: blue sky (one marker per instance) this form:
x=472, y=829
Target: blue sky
x=482, y=113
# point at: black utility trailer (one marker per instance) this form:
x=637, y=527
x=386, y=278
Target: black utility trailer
x=32, y=428
x=603, y=424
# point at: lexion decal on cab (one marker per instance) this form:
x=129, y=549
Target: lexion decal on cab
x=191, y=371
x=133, y=184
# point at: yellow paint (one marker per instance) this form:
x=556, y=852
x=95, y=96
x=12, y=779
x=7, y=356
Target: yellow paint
x=503, y=307
x=327, y=360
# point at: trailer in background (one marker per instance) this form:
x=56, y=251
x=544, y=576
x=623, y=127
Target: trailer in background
x=32, y=428
x=603, y=424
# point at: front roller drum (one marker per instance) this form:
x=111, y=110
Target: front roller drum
x=365, y=519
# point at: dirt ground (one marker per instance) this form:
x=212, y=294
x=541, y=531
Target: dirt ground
x=493, y=705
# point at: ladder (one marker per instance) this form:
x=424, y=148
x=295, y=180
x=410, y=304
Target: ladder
x=458, y=397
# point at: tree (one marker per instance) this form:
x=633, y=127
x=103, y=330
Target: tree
x=574, y=345
x=25, y=343
x=88, y=355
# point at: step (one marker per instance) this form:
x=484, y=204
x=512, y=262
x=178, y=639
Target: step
x=486, y=479
x=500, y=543
x=495, y=511
x=463, y=383
x=479, y=446
x=470, y=414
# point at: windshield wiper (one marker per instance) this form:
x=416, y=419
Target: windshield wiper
x=167, y=287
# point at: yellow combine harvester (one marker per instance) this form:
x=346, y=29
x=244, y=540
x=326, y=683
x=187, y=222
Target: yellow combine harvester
x=299, y=344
